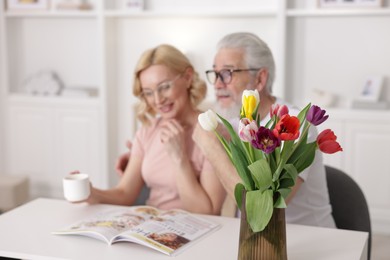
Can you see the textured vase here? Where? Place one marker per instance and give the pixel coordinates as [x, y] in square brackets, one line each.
[269, 244]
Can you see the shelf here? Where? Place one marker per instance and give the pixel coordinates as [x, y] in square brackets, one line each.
[53, 100]
[337, 12]
[191, 13]
[359, 114]
[52, 14]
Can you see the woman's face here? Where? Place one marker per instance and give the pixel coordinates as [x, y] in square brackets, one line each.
[165, 91]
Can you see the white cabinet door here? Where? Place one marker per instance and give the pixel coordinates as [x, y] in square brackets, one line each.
[367, 150]
[78, 146]
[30, 144]
[47, 141]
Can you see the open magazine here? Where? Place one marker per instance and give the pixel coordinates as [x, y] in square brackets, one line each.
[166, 231]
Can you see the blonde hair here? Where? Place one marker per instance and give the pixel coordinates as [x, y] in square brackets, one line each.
[175, 60]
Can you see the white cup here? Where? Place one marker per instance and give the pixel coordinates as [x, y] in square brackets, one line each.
[76, 187]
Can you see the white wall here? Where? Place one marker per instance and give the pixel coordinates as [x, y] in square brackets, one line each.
[337, 55]
[2, 100]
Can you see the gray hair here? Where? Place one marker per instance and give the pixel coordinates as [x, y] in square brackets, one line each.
[257, 52]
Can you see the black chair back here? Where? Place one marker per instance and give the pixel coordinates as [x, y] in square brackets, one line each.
[349, 206]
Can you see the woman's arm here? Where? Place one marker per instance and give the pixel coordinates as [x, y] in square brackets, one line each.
[203, 194]
[127, 190]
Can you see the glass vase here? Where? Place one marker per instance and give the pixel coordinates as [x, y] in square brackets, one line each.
[269, 244]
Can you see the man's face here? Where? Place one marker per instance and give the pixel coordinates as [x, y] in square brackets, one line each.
[229, 94]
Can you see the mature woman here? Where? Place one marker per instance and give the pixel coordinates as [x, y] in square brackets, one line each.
[164, 156]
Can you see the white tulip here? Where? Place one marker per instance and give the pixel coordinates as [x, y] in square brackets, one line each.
[208, 120]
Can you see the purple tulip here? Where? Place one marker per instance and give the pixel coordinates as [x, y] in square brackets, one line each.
[265, 140]
[316, 115]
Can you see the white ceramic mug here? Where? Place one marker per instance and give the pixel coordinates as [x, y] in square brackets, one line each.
[76, 187]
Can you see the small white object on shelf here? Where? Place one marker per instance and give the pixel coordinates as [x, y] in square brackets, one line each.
[133, 5]
[323, 98]
[61, 5]
[45, 83]
[371, 89]
[369, 96]
[349, 3]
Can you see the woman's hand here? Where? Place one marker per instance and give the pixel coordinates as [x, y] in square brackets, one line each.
[172, 135]
[90, 199]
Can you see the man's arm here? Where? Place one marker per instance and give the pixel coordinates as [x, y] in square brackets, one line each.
[122, 161]
[216, 154]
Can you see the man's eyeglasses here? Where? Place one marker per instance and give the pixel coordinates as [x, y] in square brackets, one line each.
[225, 75]
[163, 89]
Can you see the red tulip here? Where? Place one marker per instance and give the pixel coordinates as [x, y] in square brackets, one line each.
[327, 143]
[287, 128]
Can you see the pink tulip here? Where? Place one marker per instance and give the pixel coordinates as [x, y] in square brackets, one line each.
[278, 110]
[247, 129]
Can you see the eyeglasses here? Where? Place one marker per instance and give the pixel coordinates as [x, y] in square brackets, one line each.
[225, 75]
[163, 89]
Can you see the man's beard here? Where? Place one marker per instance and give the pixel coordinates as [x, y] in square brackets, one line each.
[231, 113]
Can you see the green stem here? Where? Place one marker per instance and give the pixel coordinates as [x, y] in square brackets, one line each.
[225, 145]
[285, 158]
[305, 130]
[249, 152]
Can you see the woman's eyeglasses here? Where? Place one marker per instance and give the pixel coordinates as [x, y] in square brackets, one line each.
[225, 75]
[164, 89]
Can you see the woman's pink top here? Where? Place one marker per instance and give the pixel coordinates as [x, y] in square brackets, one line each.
[157, 166]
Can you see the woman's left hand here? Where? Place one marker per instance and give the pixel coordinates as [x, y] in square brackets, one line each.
[173, 137]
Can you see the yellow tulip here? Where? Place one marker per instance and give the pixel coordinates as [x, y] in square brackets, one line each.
[250, 100]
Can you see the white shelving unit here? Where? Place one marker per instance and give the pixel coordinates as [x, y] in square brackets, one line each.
[332, 50]
[48, 136]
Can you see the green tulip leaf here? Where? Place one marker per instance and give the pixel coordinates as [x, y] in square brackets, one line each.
[259, 209]
[307, 158]
[291, 171]
[240, 162]
[284, 192]
[286, 183]
[234, 136]
[280, 202]
[302, 115]
[261, 173]
[238, 194]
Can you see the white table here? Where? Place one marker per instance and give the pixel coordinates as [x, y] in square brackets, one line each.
[25, 232]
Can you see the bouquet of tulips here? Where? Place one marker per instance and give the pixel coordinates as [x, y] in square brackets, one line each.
[269, 158]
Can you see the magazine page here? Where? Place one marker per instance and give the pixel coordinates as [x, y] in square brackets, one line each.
[107, 225]
[170, 232]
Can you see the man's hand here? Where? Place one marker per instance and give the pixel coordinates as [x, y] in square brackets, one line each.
[122, 161]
